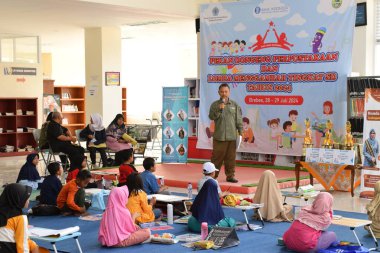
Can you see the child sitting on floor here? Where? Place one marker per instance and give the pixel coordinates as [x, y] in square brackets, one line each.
[308, 232]
[138, 201]
[149, 179]
[81, 164]
[373, 211]
[126, 168]
[14, 234]
[207, 208]
[28, 174]
[209, 173]
[52, 185]
[118, 228]
[71, 199]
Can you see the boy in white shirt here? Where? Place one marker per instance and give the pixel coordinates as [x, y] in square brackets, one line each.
[209, 173]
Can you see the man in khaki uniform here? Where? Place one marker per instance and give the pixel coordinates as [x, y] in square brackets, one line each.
[228, 123]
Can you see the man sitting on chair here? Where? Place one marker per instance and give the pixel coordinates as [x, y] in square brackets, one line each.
[60, 140]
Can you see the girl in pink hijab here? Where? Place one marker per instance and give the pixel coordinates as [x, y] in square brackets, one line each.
[117, 228]
[306, 234]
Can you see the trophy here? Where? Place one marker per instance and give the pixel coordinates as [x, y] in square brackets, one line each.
[328, 142]
[307, 140]
[348, 140]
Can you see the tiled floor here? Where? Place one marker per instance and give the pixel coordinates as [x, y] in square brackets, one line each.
[10, 166]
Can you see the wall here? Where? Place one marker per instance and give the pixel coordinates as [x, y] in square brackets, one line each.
[31, 88]
[364, 44]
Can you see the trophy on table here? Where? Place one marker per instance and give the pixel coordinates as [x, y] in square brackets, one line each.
[348, 140]
[307, 140]
[328, 141]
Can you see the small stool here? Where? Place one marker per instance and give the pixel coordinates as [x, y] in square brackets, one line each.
[53, 240]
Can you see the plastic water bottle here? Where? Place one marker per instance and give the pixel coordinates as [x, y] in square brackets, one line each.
[190, 191]
[162, 183]
[204, 230]
[103, 183]
[170, 213]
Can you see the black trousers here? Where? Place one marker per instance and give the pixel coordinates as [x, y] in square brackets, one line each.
[102, 152]
[75, 153]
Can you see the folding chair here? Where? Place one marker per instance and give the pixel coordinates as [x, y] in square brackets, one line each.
[80, 140]
[43, 152]
[52, 155]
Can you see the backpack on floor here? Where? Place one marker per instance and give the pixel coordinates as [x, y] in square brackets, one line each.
[344, 249]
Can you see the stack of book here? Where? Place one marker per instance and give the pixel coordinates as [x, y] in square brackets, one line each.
[8, 148]
[29, 112]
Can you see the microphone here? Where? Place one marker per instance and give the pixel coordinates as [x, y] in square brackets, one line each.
[224, 102]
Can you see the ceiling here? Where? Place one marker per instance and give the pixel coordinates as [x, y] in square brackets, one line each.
[57, 19]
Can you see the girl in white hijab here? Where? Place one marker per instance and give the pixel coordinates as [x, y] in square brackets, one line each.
[95, 135]
[269, 194]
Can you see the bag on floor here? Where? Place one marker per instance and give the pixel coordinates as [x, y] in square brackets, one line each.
[45, 210]
[345, 249]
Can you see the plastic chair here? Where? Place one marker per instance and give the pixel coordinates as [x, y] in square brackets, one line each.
[43, 152]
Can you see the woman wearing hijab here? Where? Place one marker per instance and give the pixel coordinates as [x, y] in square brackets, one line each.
[373, 211]
[371, 150]
[13, 224]
[307, 233]
[269, 194]
[117, 137]
[117, 228]
[95, 134]
[207, 208]
[28, 174]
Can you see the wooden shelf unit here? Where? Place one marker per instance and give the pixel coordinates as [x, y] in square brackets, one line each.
[17, 139]
[124, 103]
[76, 119]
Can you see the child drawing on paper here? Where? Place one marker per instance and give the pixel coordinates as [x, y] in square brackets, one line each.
[320, 122]
[275, 131]
[247, 135]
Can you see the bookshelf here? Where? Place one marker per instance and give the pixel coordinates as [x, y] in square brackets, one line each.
[72, 106]
[18, 119]
[193, 105]
[124, 103]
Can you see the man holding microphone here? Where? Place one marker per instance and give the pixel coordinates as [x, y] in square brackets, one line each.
[227, 116]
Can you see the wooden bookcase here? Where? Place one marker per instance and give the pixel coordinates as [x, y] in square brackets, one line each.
[72, 106]
[124, 103]
[9, 135]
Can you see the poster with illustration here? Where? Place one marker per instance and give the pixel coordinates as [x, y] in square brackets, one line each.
[51, 103]
[174, 124]
[284, 61]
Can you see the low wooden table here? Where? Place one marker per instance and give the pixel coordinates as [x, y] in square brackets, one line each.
[299, 165]
[355, 223]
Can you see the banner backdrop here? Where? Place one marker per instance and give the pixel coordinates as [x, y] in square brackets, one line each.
[174, 124]
[285, 61]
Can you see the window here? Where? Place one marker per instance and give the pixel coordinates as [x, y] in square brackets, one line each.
[19, 49]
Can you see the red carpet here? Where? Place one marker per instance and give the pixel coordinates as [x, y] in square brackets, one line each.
[179, 175]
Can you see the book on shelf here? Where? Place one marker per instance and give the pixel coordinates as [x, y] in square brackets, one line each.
[30, 113]
[9, 114]
[65, 121]
[44, 232]
[18, 112]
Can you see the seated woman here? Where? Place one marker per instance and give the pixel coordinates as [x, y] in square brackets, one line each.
[307, 233]
[28, 174]
[117, 137]
[138, 201]
[207, 208]
[269, 194]
[14, 234]
[95, 134]
[373, 211]
[117, 228]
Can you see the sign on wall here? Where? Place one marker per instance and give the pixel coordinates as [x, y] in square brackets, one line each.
[174, 124]
[285, 61]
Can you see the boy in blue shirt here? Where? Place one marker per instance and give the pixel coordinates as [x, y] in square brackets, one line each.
[149, 179]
